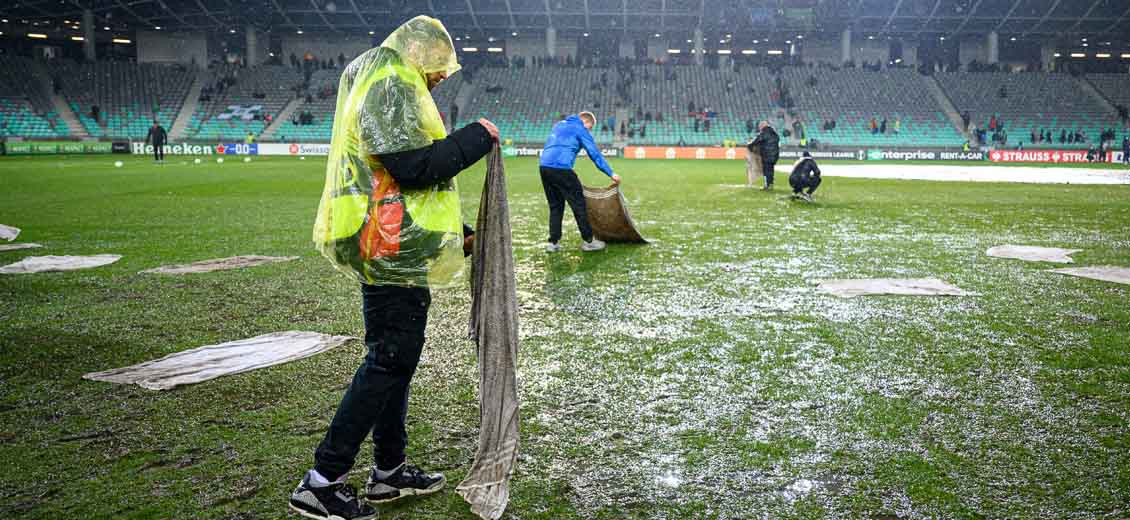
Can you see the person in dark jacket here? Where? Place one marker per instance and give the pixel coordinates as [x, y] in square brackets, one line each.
[1126, 150]
[805, 175]
[560, 182]
[158, 137]
[768, 144]
[393, 155]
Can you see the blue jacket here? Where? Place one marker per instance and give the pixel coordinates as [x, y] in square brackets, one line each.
[565, 141]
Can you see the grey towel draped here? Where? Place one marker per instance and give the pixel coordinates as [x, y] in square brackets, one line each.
[494, 326]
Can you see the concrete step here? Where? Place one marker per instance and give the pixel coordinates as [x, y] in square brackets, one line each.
[280, 119]
[191, 101]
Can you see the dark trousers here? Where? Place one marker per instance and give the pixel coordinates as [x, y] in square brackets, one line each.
[377, 399]
[800, 182]
[158, 152]
[563, 186]
[767, 169]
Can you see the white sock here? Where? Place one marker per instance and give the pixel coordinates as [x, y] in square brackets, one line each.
[317, 480]
[381, 474]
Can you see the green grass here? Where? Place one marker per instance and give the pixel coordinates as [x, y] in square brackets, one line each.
[701, 376]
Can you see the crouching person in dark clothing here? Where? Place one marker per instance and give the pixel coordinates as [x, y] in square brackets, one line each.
[805, 176]
[768, 144]
[389, 217]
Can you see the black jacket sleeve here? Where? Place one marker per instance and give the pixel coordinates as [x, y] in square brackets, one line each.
[441, 160]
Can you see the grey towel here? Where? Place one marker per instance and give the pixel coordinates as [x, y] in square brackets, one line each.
[494, 326]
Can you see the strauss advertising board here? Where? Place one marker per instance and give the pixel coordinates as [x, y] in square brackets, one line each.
[1039, 156]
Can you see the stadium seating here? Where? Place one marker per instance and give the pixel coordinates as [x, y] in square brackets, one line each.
[25, 110]
[852, 97]
[1116, 87]
[129, 95]
[275, 83]
[1033, 101]
[322, 108]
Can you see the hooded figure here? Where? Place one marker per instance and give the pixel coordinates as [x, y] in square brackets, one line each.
[367, 224]
[389, 216]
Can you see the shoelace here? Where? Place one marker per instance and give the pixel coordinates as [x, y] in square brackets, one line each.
[348, 491]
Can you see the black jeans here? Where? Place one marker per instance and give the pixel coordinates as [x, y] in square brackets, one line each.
[767, 169]
[563, 186]
[158, 152]
[377, 400]
[800, 182]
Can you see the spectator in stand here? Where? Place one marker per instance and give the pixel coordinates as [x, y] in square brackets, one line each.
[874, 126]
[883, 127]
[992, 123]
[1062, 136]
[1033, 138]
[898, 125]
[965, 120]
[1126, 150]
[750, 125]
[94, 112]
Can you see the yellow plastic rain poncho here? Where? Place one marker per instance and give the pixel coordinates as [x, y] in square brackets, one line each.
[366, 224]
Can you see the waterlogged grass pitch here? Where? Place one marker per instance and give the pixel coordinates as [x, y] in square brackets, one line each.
[700, 376]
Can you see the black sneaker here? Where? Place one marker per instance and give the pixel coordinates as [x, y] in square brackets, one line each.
[407, 480]
[333, 502]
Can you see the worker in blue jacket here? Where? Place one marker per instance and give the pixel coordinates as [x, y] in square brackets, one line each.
[560, 182]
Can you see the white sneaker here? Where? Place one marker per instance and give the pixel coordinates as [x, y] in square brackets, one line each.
[806, 196]
[550, 247]
[595, 245]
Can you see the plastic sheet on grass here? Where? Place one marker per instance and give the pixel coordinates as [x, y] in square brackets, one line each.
[609, 217]
[908, 287]
[43, 264]
[9, 233]
[219, 264]
[1033, 253]
[494, 327]
[1106, 273]
[366, 224]
[212, 361]
[21, 245]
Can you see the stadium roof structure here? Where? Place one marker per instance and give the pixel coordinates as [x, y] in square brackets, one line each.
[897, 18]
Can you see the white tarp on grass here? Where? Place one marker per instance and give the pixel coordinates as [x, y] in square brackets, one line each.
[21, 245]
[43, 264]
[1033, 253]
[219, 264]
[8, 233]
[1106, 273]
[908, 287]
[975, 173]
[212, 361]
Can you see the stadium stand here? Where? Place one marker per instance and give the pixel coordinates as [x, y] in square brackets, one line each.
[1030, 102]
[852, 97]
[270, 87]
[1116, 87]
[523, 102]
[321, 105]
[25, 110]
[129, 96]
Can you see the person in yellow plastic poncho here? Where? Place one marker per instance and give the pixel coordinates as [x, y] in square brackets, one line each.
[389, 216]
